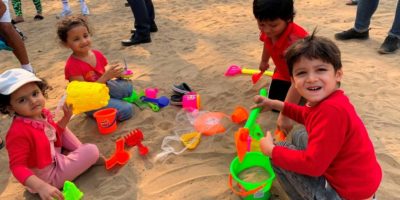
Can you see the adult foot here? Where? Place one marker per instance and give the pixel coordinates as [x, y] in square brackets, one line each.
[352, 2]
[136, 39]
[390, 45]
[352, 34]
[17, 20]
[153, 28]
[38, 17]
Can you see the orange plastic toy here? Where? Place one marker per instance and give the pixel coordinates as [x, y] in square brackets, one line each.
[209, 123]
[120, 156]
[134, 138]
[239, 115]
[280, 136]
[241, 139]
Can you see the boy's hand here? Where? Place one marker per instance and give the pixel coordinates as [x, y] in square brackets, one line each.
[49, 192]
[267, 145]
[263, 65]
[261, 102]
[285, 124]
[113, 71]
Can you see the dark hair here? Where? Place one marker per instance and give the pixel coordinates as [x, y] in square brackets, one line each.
[314, 47]
[69, 23]
[273, 9]
[5, 99]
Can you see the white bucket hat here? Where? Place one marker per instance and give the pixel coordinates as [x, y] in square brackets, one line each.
[13, 79]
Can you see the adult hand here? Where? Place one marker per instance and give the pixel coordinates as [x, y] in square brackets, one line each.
[285, 124]
[266, 144]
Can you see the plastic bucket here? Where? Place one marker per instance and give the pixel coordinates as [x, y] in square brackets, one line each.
[106, 120]
[252, 190]
[191, 101]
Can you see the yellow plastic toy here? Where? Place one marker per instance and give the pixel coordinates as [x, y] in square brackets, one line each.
[191, 140]
[87, 96]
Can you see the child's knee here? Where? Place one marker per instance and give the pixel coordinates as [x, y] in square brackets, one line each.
[125, 112]
[91, 152]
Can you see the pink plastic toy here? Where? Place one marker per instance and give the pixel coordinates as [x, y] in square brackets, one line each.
[234, 70]
[134, 138]
[151, 92]
[120, 156]
[191, 101]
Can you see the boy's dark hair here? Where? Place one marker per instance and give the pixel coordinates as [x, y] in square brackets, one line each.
[273, 9]
[69, 23]
[314, 47]
[5, 99]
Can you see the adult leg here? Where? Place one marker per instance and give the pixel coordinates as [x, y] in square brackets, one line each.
[365, 10]
[392, 41]
[66, 9]
[151, 13]
[142, 23]
[38, 6]
[18, 11]
[84, 8]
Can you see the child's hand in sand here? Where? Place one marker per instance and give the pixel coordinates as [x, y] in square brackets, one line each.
[267, 145]
[113, 71]
[49, 192]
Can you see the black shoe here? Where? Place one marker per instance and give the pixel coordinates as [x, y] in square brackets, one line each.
[352, 34]
[390, 45]
[136, 39]
[153, 28]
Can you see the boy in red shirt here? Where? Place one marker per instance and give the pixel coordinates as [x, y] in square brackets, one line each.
[278, 32]
[335, 158]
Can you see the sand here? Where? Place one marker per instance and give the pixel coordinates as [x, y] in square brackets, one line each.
[196, 42]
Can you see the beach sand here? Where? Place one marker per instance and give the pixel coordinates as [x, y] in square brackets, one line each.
[196, 42]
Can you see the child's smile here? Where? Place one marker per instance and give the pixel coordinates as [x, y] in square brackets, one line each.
[314, 79]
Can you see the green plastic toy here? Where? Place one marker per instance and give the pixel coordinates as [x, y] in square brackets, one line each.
[71, 192]
[136, 99]
[251, 123]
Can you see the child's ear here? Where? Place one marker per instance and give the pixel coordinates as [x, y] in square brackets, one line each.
[10, 110]
[339, 75]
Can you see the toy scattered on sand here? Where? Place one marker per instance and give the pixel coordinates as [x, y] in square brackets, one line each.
[87, 96]
[235, 70]
[71, 192]
[134, 138]
[127, 74]
[120, 156]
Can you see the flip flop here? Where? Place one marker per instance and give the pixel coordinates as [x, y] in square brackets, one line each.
[181, 89]
[176, 100]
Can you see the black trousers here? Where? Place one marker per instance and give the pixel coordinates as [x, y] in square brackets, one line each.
[143, 11]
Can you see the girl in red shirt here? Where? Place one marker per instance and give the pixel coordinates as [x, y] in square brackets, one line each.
[36, 144]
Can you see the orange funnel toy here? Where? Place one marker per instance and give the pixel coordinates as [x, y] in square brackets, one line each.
[134, 138]
[279, 135]
[241, 139]
[120, 156]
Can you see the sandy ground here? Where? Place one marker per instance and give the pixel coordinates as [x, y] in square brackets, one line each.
[196, 42]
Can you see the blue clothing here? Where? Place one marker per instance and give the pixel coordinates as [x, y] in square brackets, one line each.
[119, 89]
[143, 11]
[365, 10]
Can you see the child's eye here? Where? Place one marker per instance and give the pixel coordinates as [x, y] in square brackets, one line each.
[300, 73]
[35, 93]
[21, 100]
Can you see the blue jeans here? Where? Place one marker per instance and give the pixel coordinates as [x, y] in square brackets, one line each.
[365, 10]
[298, 186]
[143, 11]
[118, 89]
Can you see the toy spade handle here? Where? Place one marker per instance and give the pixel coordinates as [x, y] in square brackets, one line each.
[256, 71]
[254, 112]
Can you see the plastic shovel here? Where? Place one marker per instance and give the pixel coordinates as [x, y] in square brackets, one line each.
[256, 77]
[234, 70]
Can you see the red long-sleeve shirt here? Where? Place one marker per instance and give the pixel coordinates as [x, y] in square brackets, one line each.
[338, 148]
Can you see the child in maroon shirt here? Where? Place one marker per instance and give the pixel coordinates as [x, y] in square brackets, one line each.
[334, 158]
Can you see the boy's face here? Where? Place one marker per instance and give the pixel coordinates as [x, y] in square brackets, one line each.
[314, 79]
[27, 101]
[272, 28]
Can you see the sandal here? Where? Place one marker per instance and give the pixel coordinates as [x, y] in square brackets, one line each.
[181, 89]
[176, 100]
[38, 17]
[17, 20]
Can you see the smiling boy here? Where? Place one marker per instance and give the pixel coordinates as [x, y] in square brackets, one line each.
[334, 158]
